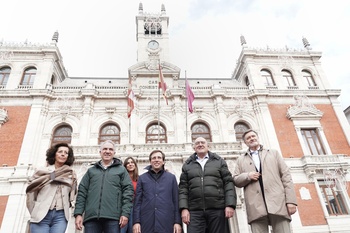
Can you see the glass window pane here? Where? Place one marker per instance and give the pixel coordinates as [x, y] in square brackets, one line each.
[240, 128]
[28, 76]
[110, 132]
[200, 130]
[156, 134]
[312, 142]
[333, 197]
[4, 75]
[308, 79]
[62, 134]
[268, 80]
[288, 78]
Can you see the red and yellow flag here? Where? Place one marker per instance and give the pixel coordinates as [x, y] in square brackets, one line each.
[162, 84]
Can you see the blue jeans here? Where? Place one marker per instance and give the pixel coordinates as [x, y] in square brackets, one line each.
[102, 225]
[128, 227]
[54, 222]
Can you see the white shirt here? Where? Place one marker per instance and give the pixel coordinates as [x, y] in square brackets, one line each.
[256, 159]
[203, 161]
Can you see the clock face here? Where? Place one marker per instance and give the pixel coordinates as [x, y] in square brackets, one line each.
[153, 44]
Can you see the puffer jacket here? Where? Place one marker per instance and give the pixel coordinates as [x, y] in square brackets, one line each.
[105, 193]
[212, 188]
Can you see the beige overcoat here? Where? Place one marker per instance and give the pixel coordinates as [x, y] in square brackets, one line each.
[277, 180]
[39, 201]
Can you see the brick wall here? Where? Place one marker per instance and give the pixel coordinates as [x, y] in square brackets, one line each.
[3, 203]
[12, 133]
[310, 211]
[287, 137]
[333, 131]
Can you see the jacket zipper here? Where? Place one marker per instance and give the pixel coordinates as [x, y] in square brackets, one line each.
[99, 206]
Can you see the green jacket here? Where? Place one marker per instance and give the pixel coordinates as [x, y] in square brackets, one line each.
[212, 188]
[105, 193]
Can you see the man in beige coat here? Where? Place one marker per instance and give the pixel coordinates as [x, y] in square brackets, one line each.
[268, 187]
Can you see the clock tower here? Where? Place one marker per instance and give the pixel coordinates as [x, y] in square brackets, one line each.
[152, 35]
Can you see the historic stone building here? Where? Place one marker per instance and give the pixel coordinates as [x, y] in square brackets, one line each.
[281, 93]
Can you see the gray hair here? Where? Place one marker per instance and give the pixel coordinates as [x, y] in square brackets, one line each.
[107, 141]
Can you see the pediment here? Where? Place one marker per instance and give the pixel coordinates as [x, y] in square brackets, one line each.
[297, 112]
[149, 67]
[303, 109]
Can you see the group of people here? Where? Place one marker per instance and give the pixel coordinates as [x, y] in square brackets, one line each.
[113, 198]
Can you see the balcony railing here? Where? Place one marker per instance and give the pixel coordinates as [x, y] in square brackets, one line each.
[175, 152]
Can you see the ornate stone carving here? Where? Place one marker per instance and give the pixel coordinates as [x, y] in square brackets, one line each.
[303, 109]
[286, 61]
[6, 55]
[241, 105]
[67, 105]
[3, 116]
[334, 178]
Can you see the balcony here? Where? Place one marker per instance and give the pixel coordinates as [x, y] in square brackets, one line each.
[318, 165]
[174, 152]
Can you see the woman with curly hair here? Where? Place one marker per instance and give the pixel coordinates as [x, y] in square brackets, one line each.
[51, 191]
[131, 166]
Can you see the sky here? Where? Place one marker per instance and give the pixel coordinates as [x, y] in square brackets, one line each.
[98, 38]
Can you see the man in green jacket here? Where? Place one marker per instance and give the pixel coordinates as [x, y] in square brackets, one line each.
[207, 195]
[105, 195]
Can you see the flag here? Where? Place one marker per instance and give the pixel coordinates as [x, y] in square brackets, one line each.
[190, 97]
[162, 84]
[131, 98]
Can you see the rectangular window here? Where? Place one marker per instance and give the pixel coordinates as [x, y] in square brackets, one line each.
[312, 142]
[333, 197]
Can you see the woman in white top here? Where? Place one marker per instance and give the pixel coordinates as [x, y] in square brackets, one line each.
[51, 191]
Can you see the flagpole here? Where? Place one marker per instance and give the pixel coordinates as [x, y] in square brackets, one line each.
[186, 104]
[159, 101]
[129, 130]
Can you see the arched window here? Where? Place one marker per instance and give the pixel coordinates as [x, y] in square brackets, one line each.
[240, 128]
[62, 133]
[28, 76]
[200, 129]
[308, 79]
[288, 78]
[4, 75]
[109, 132]
[156, 133]
[267, 78]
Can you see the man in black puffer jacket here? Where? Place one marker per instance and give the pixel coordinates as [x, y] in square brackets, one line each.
[207, 196]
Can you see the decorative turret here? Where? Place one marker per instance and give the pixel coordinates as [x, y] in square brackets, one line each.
[55, 37]
[163, 9]
[243, 41]
[140, 8]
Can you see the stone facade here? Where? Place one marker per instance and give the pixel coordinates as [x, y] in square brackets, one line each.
[283, 94]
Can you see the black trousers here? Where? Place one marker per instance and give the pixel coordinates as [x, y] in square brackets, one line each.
[208, 221]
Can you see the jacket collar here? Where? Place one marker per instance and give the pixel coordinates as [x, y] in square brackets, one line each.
[116, 162]
[248, 150]
[193, 157]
